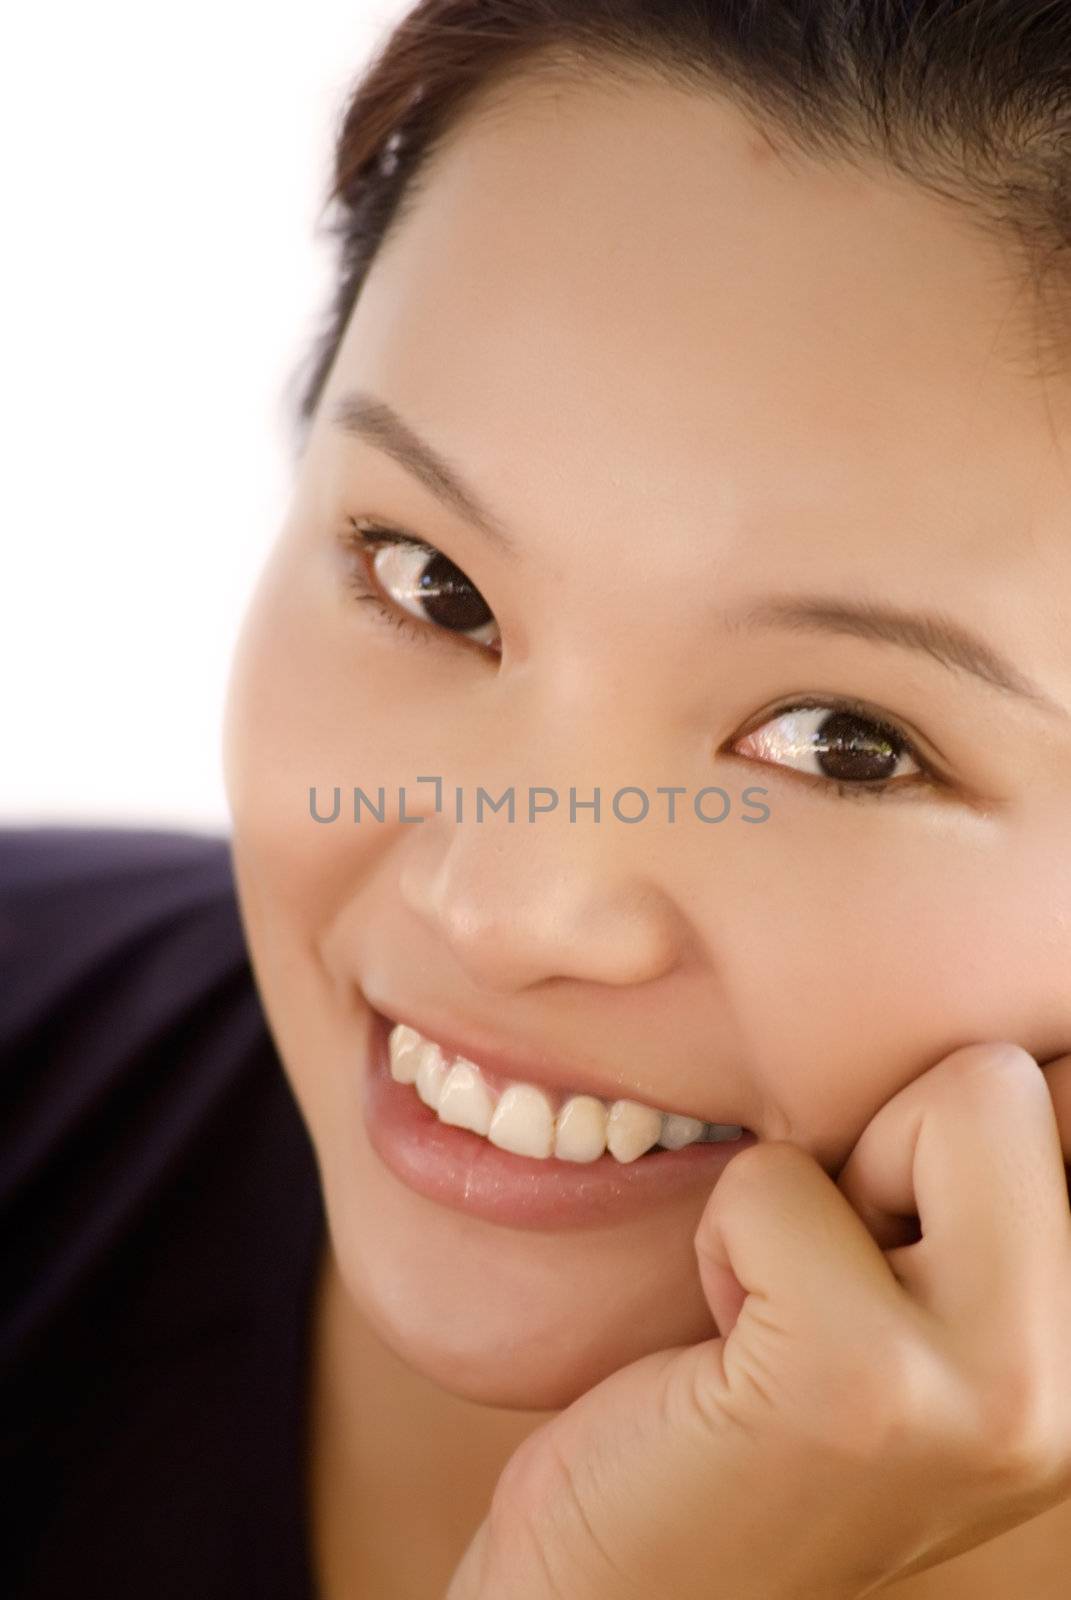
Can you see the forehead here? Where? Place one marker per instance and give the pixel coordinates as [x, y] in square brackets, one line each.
[628, 285]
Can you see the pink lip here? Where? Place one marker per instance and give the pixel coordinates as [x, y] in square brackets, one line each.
[465, 1172]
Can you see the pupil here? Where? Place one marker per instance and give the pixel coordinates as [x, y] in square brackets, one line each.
[850, 747]
[449, 598]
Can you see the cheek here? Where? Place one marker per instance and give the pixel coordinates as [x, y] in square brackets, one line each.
[322, 695]
[877, 956]
[316, 701]
[290, 704]
[309, 708]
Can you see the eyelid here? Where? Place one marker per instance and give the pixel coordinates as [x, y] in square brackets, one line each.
[366, 531]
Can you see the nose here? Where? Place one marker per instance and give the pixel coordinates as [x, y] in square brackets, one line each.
[517, 903]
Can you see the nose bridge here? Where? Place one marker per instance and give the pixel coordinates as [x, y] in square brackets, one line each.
[583, 761]
[589, 724]
[534, 867]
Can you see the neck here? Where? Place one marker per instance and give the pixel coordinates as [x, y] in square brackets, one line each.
[400, 1471]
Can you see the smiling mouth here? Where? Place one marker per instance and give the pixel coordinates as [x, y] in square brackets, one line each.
[534, 1120]
[512, 1183]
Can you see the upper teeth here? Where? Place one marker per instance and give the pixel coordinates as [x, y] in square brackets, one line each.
[522, 1118]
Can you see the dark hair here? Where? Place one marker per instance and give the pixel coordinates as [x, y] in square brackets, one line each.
[969, 98]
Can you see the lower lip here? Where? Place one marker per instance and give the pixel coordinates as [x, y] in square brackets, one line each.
[466, 1172]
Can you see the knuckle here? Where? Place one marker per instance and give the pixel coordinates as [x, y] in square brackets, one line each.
[893, 1404]
[1020, 1442]
[752, 1168]
[745, 1168]
[870, 1407]
[896, 1410]
[978, 1067]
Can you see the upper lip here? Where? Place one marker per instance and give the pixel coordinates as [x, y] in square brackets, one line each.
[531, 1066]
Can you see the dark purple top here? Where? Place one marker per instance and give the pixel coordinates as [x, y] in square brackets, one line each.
[161, 1221]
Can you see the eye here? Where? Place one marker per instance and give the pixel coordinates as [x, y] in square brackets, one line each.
[838, 742]
[397, 573]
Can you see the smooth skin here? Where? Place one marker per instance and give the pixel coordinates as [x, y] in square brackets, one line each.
[685, 371]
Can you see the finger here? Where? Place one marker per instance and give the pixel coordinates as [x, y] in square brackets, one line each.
[1057, 1074]
[972, 1149]
[776, 1227]
[882, 1193]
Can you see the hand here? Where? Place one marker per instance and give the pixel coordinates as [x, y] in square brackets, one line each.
[872, 1406]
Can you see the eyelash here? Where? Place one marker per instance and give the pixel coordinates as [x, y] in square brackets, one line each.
[361, 537]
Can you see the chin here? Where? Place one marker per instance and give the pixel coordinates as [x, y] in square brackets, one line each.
[522, 1322]
[522, 1377]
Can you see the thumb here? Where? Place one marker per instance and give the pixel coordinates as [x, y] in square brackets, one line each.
[776, 1227]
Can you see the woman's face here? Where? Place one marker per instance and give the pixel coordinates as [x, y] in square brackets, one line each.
[690, 379]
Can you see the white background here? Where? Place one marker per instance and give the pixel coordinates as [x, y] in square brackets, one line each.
[162, 276]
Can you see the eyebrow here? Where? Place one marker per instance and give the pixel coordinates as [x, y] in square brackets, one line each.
[939, 636]
[368, 417]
